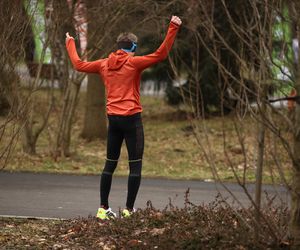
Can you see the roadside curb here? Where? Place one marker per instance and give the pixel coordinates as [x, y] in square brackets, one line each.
[31, 217]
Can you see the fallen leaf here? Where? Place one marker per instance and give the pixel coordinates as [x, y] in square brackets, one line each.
[139, 231]
[158, 215]
[134, 243]
[157, 231]
[108, 247]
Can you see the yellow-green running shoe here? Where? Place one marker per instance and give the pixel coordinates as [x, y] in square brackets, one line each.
[105, 214]
[127, 213]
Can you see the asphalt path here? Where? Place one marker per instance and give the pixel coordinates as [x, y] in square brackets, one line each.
[71, 196]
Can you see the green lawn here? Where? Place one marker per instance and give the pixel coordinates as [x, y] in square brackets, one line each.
[171, 149]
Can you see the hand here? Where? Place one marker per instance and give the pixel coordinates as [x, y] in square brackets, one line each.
[176, 20]
[68, 37]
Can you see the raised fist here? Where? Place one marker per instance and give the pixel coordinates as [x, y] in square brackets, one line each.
[176, 20]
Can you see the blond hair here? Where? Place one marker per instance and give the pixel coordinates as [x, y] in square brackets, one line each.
[127, 37]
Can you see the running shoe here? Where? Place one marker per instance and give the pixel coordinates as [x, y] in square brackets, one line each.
[127, 213]
[105, 214]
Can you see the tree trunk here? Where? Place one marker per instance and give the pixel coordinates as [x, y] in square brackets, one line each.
[95, 117]
[60, 21]
[63, 139]
[260, 159]
[13, 46]
[4, 104]
[295, 193]
[295, 188]
[29, 140]
[75, 88]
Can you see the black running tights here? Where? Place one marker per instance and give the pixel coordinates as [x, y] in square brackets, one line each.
[131, 129]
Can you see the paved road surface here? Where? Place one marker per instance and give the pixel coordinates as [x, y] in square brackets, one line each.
[69, 196]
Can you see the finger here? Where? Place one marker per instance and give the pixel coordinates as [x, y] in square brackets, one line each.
[175, 18]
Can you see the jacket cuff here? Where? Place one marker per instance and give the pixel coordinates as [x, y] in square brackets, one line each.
[68, 40]
[174, 24]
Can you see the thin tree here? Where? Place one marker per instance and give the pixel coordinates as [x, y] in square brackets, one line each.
[294, 7]
[237, 38]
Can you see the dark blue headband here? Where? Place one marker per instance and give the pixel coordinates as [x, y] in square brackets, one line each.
[132, 49]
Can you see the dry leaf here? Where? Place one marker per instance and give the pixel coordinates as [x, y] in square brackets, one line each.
[157, 231]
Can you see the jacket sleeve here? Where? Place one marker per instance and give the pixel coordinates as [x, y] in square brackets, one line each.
[78, 64]
[143, 62]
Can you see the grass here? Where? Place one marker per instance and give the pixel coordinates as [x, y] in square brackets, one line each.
[171, 148]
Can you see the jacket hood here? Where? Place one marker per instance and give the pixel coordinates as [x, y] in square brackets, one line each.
[117, 59]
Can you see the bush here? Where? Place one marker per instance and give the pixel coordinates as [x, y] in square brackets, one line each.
[213, 226]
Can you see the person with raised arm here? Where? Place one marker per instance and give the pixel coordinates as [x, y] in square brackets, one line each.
[121, 73]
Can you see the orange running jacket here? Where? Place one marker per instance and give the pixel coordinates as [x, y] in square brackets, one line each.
[121, 73]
